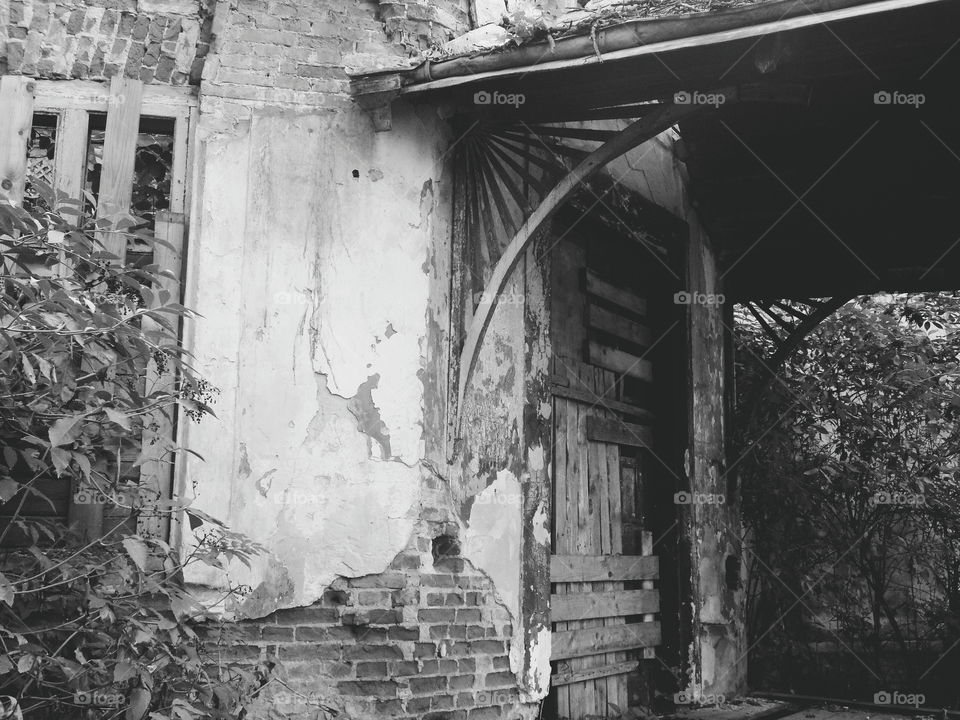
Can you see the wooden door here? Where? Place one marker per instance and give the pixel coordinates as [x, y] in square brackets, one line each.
[603, 603]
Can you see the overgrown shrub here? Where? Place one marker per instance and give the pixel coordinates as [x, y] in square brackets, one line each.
[98, 626]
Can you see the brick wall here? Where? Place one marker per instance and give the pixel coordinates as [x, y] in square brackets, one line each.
[295, 52]
[424, 639]
[157, 42]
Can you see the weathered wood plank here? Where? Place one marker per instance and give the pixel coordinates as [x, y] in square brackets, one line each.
[89, 95]
[70, 161]
[619, 361]
[599, 640]
[178, 168]
[605, 604]
[593, 673]
[119, 150]
[584, 695]
[616, 684]
[16, 119]
[599, 500]
[603, 401]
[603, 568]
[156, 474]
[647, 543]
[581, 480]
[618, 432]
[595, 285]
[610, 322]
[562, 535]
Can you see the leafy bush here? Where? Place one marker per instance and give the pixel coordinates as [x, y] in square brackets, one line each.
[98, 625]
[851, 483]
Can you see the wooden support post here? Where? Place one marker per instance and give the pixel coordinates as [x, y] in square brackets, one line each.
[156, 473]
[119, 151]
[16, 119]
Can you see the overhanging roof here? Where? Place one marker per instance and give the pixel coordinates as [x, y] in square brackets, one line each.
[825, 194]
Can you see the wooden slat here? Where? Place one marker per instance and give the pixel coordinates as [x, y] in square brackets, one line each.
[562, 520]
[119, 150]
[593, 673]
[599, 535]
[619, 361]
[618, 432]
[70, 160]
[598, 640]
[584, 695]
[158, 100]
[611, 603]
[575, 133]
[156, 474]
[616, 684]
[610, 322]
[601, 568]
[596, 285]
[603, 401]
[178, 167]
[16, 119]
[647, 543]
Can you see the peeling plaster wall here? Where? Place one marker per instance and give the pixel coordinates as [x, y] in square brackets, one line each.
[485, 474]
[308, 262]
[499, 474]
[492, 539]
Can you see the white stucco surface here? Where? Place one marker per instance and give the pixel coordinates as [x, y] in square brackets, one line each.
[308, 266]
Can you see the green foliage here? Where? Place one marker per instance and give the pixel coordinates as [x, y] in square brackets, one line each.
[850, 488]
[98, 626]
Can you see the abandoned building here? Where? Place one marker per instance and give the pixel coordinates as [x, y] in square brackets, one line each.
[466, 271]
